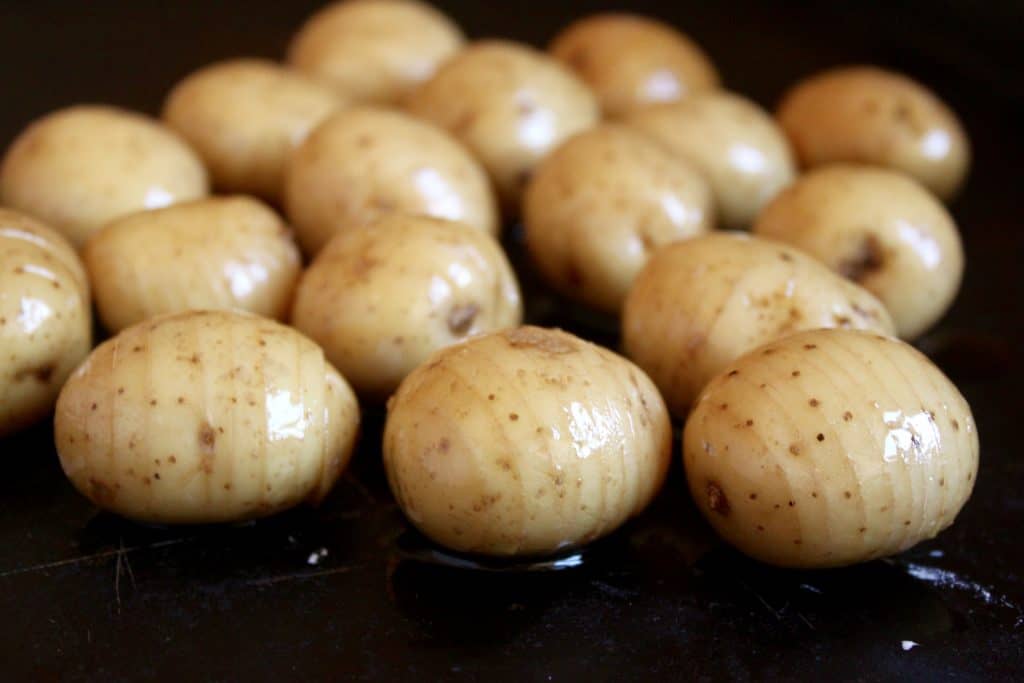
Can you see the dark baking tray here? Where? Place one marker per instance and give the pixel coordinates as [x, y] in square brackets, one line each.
[85, 595]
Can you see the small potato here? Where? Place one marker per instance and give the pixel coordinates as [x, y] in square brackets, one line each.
[364, 163]
[244, 117]
[45, 318]
[217, 253]
[374, 51]
[203, 417]
[879, 228]
[829, 448]
[525, 442]
[872, 116]
[631, 61]
[80, 167]
[382, 298]
[510, 104]
[733, 142]
[601, 203]
[701, 303]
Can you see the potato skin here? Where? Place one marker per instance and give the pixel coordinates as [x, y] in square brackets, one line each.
[630, 61]
[599, 204]
[244, 117]
[203, 417]
[525, 442]
[701, 303]
[216, 253]
[80, 167]
[879, 228]
[868, 115]
[374, 51]
[45, 318]
[509, 104]
[829, 448]
[742, 153]
[364, 163]
[382, 298]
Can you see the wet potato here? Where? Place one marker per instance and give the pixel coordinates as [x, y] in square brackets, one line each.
[216, 253]
[382, 298]
[205, 416]
[701, 303]
[525, 442]
[829, 448]
[880, 229]
[601, 203]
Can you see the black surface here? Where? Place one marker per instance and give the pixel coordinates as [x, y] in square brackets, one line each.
[87, 595]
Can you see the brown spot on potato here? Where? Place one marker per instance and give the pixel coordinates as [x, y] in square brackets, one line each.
[753, 496]
[41, 373]
[101, 492]
[865, 260]
[513, 416]
[444, 444]
[847, 495]
[814, 403]
[956, 425]
[820, 437]
[490, 397]
[749, 423]
[847, 416]
[717, 500]
[795, 373]
[794, 449]
[541, 340]
[733, 373]
[207, 440]
[809, 347]
[461, 317]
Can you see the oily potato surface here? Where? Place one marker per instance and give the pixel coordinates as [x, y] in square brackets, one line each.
[830, 447]
[205, 416]
[525, 442]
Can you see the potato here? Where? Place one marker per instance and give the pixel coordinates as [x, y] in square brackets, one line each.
[879, 228]
[830, 447]
[701, 303]
[601, 203]
[525, 442]
[872, 116]
[205, 416]
[78, 168]
[244, 117]
[510, 104]
[45, 318]
[217, 253]
[631, 61]
[374, 51]
[364, 163]
[733, 142]
[382, 298]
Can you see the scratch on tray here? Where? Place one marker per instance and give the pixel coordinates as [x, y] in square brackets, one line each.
[270, 580]
[760, 599]
[95, 556]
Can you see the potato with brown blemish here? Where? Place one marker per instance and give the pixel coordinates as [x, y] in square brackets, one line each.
[364, 163]
[382, 298]
[868, 115]
[45, 318]
[601, 203]
[829, 448]
[631, 61]
[879, 228]
[244, 117]
[81, 167]
[216, 253]
[203, 417]
[701, 303]
[510, 104]
[525, 442]
[739, 148]
[374, 51]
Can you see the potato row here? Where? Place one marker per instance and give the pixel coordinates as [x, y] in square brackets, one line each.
[361, 191]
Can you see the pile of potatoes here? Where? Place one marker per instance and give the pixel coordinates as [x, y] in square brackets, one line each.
[290, 239]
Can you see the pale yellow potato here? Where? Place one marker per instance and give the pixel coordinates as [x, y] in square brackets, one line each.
[630, 61]
[829, 448]
[45, 318]
[203, 417]
[78, 168]
[880, 229]
[382, 298]
[525, 442]
[244, 117]
[364, 163]
[701, 303]
[601, 203]
[736, 145]
[216, 253]
[375, 50]
[868, 115]
[510, 104]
